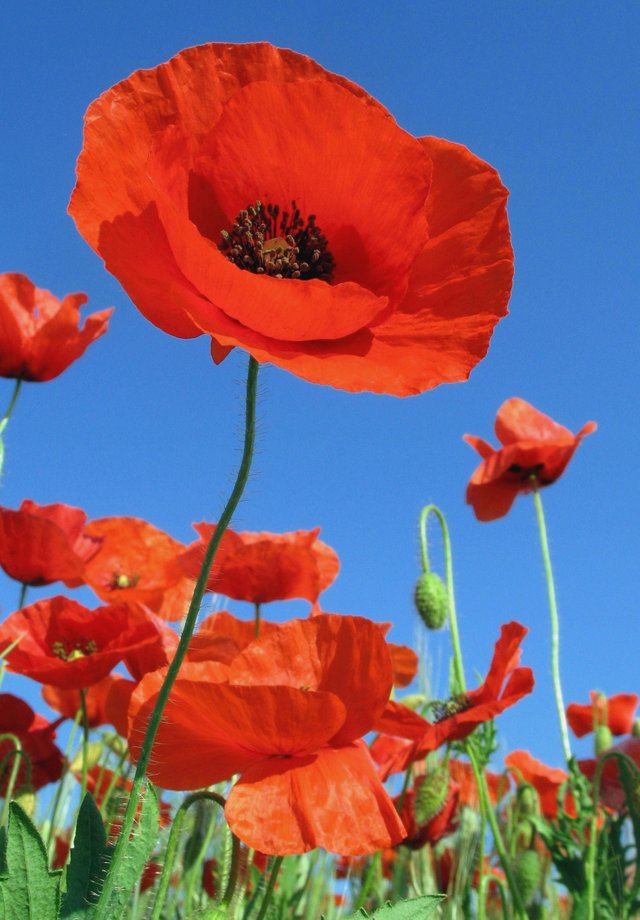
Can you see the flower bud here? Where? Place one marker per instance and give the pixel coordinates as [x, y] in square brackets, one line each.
[430, 597]
[431, 795]
[528, 874]
[528, 800]
[603, 739]
[635, 728]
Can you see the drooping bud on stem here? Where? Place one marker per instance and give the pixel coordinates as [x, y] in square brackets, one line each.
[430, 598]
[432, 794]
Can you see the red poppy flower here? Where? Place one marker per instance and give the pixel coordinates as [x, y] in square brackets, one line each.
[545, 780]
[64, 644]
[138, 564]
[405, 664]
[37, 738]
[504, 685]
[245, 192]
[40, 544]
[617, 713]
[462, 774]
[535, 450]
[41, 335]
[67, 702]
[221, 637]
[263, 567]
[612, 792]
[286, 715]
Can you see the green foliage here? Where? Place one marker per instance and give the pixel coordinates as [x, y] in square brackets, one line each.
[28, 890]
[89, 860]
[415, 909]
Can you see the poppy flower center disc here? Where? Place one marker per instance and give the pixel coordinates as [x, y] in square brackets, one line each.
[268, 241]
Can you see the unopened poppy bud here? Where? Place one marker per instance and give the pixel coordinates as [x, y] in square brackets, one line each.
[430, 598]
[528, 874]
[635, 728]
[431, 795]
[603, 739]
[528, 800]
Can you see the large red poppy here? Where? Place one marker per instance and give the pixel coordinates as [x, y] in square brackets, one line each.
[37, 738]
[535, 451]
[504, 685]
[138, 564]
[287, 715]
[385, 266]
[40, 544]
[616, 712]
[61, 643]
[41, 335]
[263, 567]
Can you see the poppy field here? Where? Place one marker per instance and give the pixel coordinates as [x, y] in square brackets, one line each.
[188, 729]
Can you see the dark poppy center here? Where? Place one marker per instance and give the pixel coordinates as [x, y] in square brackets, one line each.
[267, 241]
[522, 473]
[445, 709]
[70, 651]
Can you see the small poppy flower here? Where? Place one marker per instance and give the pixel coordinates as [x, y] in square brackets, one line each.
[612, 791]
[138, 564]
[535, 452]
[504, 685]
[245, 192]
[67, 702]
[41, 544]
[547, 781]
[41, 335]
[462, 774]
[263, 567]
[64, 644]
[287, 715]
[37, 738]
[617, 713]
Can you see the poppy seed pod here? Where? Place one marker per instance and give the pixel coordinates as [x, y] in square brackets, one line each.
[432, 795]
[430, 597]
[528, 800]
[528, 874]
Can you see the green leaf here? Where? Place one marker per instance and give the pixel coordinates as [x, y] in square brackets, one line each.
[415, 909]
[28, 890]
[89, 860]
[141, 846]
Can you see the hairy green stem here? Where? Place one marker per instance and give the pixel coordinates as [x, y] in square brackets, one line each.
[102, 908]
[555, 625]
[264, 907]
[84, 718]
[15, 756]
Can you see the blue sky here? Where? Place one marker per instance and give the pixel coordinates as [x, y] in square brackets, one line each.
[145, 425]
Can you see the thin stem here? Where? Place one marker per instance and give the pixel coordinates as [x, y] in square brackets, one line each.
[481, 866]
[264, 907]
[12, 402]
[555, 625]
[458, 667]
[257, 619]
[85, 744]
[23, 595]
[62, 781]
[102, 908]
[14, 756]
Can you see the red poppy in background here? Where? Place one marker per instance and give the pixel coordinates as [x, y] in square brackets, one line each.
[263, 567]
[41, 335]
[287, 715]
[545, 780]
[41, 544]
[616, 712]
[138, 564]
[245, 192]
[221, 637]
[67, 702]
[37, 738]
[612, 792]
[462, 773]
[504, 685]
[66, 645]
[405, 664]
[535, 451]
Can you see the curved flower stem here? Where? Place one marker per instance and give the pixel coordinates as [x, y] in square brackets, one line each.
[264, 907]
[102, 907]
[13, 755]
[172, 846]
[555, 625]
[448, 562]
[257, 619]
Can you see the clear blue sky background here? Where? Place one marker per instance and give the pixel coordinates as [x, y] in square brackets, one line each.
[145, 425]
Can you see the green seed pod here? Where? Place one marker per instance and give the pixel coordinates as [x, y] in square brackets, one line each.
[528, 800]
[430, 597]
[604, 739]
[431, 795]
[635, 728]
[528, 874]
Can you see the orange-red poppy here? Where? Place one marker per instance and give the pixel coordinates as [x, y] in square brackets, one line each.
[221, 637]
[616, 712]
[287, 715]
[61, 643]
[40, 544]
[263, 567]
[245, 192]
[41, 335]
[612, 791]
[545, 780]
[535, 451]
[504, 685]
[67, 702]
[462, 774]
[138, 564]
[37, 739]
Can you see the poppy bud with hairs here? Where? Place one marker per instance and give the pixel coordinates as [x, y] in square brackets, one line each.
[430, 598]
